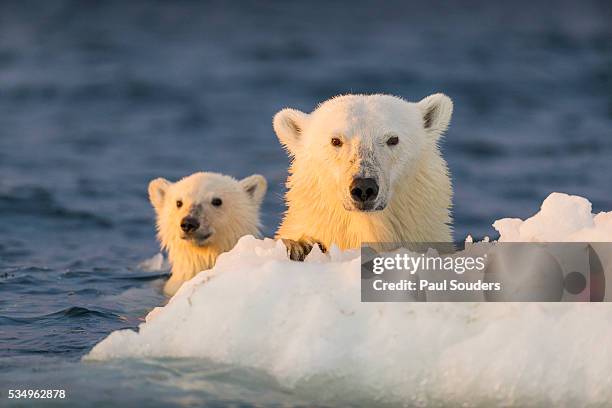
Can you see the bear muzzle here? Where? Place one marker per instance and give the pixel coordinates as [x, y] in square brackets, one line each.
[364, 192]
[195, 231]
[189, 224]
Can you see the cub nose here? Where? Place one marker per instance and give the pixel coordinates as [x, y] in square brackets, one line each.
[189, 224]
[364, 190]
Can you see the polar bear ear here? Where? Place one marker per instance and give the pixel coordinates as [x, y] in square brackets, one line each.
[289, 125]
[157, 192]
[437, 110]
[255, 186]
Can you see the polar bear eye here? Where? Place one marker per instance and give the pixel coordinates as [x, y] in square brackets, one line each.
[179, 203]
[336, 142]
[216, 201]
[392, 141]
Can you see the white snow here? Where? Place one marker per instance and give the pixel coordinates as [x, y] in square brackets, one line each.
[156, 263]
[304, 324]
[562, 218]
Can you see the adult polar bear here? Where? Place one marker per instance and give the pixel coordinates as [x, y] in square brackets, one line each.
[366, 168]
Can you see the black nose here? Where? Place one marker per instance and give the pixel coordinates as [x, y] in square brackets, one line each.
[189, 224]
[364, 190]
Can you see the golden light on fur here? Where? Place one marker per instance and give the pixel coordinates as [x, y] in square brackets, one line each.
[414, 194]
[198, 197]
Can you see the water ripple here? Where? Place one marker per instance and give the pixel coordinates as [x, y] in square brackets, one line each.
[39, 201]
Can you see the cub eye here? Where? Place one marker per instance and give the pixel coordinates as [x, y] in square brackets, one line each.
[392, 141]
[336, 142]
[179, 203]
[216, 201]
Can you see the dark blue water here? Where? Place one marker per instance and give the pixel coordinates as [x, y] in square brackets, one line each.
[97, 98]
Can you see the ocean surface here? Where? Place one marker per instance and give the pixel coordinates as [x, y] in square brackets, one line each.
[98, 98]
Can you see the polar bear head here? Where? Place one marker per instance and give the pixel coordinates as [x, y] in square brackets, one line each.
[206, 210]
[356, 148]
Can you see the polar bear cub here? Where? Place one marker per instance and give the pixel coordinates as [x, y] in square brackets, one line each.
[366, 168]
[202, 216]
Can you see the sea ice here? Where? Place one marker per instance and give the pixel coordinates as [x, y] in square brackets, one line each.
[304, 324]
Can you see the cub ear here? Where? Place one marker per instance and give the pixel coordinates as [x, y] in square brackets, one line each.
[255, 187]
[437, 110]
[289, 126]
[157, 192]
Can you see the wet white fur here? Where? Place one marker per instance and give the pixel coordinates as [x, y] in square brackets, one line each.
[237, 216]
[413, 177]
